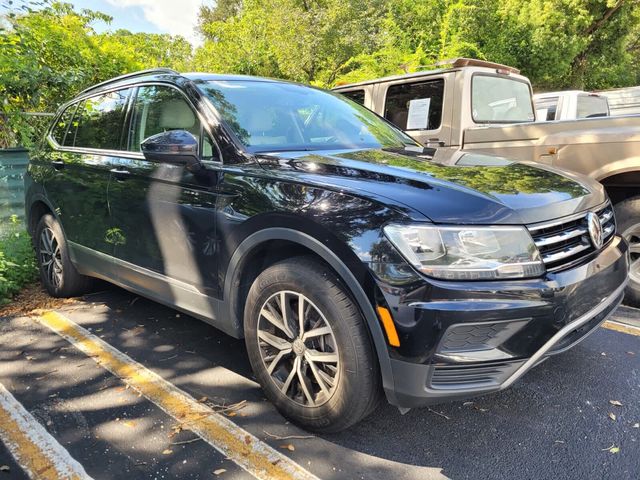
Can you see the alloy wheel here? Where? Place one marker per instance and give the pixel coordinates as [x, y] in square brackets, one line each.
[298, 348]
[50, 257]
[632, 236]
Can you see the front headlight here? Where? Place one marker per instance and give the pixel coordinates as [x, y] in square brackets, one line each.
[468, 253]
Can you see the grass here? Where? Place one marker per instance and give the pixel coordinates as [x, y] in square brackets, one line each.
[17, 260]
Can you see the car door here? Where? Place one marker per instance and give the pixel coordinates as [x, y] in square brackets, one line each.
[164, 214]
[85, 144]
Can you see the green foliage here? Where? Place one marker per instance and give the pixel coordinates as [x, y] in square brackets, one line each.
[557, 43]
[49, 54]
[50, 51]
[17, 260]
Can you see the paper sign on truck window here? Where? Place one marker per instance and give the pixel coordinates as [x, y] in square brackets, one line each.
[418, 116]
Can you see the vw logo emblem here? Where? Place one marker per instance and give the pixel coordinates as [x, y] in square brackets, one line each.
[595, 229]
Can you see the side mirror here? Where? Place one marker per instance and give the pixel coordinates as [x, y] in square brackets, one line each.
[177, 147]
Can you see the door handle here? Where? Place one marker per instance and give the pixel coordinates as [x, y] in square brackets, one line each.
[120, 174]
[58, 164]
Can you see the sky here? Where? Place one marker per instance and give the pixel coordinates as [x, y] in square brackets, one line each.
[176, 17]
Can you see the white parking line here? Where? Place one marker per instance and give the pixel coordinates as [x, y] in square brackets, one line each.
[240, 446]
[35, 450]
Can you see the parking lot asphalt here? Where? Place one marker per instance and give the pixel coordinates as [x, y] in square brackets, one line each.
[575, 416]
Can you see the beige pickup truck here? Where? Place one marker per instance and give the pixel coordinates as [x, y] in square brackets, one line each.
[478, 106]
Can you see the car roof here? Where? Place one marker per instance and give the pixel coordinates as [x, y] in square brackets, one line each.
[228, 77]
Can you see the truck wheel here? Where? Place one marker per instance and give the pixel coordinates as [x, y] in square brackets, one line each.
[58, 275]
[628, 219]
[309, 346]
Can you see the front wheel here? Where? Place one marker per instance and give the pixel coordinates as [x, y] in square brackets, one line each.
[628, 218]
[58, 275]
[309, 346]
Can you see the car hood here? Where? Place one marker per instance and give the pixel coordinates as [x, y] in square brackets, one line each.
[446, 186]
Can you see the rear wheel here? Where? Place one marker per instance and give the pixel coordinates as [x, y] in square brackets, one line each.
[309, 347]
[58, 275]
[628, 219]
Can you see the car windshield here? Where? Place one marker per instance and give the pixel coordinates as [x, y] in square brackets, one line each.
[500, 100]
[274, 117]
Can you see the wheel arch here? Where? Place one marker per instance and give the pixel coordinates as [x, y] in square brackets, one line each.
[38, 207]
[621, 185]
[297, 243]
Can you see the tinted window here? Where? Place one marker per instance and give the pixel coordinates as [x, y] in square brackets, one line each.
[62, 124]
[590, 106]
[546, 109]
[500, 100]
[415, 106]
[100, 120]
[276, 116]
[159, 109]
[355, 95]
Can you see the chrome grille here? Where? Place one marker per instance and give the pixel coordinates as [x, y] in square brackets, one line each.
[565, 242]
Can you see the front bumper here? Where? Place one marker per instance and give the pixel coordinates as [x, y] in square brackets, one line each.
[463, 339]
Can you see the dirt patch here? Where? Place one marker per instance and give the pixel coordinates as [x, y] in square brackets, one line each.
[32, 297]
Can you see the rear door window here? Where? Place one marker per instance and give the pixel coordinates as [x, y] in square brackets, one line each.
[100, 121]
[355, 95]
[415, 106]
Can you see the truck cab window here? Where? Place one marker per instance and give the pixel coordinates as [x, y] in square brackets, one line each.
[497, 99]
[592, 106]
[415, 106]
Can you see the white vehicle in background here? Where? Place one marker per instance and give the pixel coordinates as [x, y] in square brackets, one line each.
[623, 101]
[570, 105]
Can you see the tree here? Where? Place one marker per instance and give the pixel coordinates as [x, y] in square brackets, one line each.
[49, 52]
[303, 40]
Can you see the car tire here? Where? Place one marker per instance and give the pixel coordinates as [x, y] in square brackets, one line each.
[628, 221]
[58, 274]
[332, 395]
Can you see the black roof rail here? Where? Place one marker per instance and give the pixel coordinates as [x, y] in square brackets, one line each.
[129, 75]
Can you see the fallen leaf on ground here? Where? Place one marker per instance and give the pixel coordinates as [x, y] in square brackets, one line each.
[636, 425]
[614, 450]
[167, 451]
[219, 471]
[612, 416]
[615, 402]
[288, 446]
[4, 468]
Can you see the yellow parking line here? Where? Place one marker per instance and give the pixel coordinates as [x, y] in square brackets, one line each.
[35, 450]
[243, 448]
[622, 327]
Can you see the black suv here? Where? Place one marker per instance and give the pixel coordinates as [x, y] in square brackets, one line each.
[352, 260]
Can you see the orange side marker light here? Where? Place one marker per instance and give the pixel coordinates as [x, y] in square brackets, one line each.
[389, 326]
